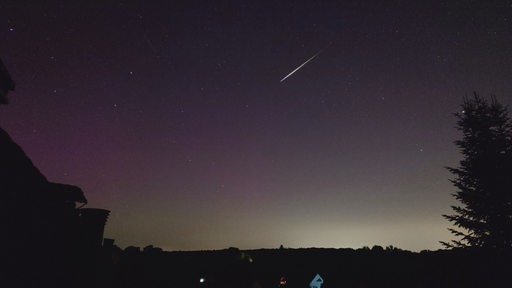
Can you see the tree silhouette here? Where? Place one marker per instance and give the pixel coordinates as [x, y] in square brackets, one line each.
[484, 176]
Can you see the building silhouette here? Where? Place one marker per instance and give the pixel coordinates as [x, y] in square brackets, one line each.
[49, 240]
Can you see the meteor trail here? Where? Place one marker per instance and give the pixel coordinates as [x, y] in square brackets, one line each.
[300, 66]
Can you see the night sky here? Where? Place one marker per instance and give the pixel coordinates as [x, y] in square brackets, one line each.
[173, 115]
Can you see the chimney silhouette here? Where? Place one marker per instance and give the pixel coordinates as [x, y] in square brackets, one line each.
[92, 225]
[6, 83]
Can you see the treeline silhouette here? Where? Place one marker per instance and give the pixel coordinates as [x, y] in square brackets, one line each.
[49, 240]
[376, 267]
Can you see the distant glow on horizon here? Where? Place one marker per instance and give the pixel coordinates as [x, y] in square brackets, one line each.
[173, 119]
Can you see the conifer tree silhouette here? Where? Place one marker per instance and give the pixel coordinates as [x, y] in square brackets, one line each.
[484, 176]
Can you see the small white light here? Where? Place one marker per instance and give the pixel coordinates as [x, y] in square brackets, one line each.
[201, 280]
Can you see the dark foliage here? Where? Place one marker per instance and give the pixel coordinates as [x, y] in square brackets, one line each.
[484, 176]
[338, 267]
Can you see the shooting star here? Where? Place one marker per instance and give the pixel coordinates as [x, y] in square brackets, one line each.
[300, 66]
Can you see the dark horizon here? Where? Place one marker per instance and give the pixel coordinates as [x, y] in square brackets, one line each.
[174, 118]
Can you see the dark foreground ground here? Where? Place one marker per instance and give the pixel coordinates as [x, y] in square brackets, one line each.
[264, 268]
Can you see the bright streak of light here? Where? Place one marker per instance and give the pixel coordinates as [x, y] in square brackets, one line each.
[295, 70]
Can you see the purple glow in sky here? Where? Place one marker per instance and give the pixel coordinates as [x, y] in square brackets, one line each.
[173, 115]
